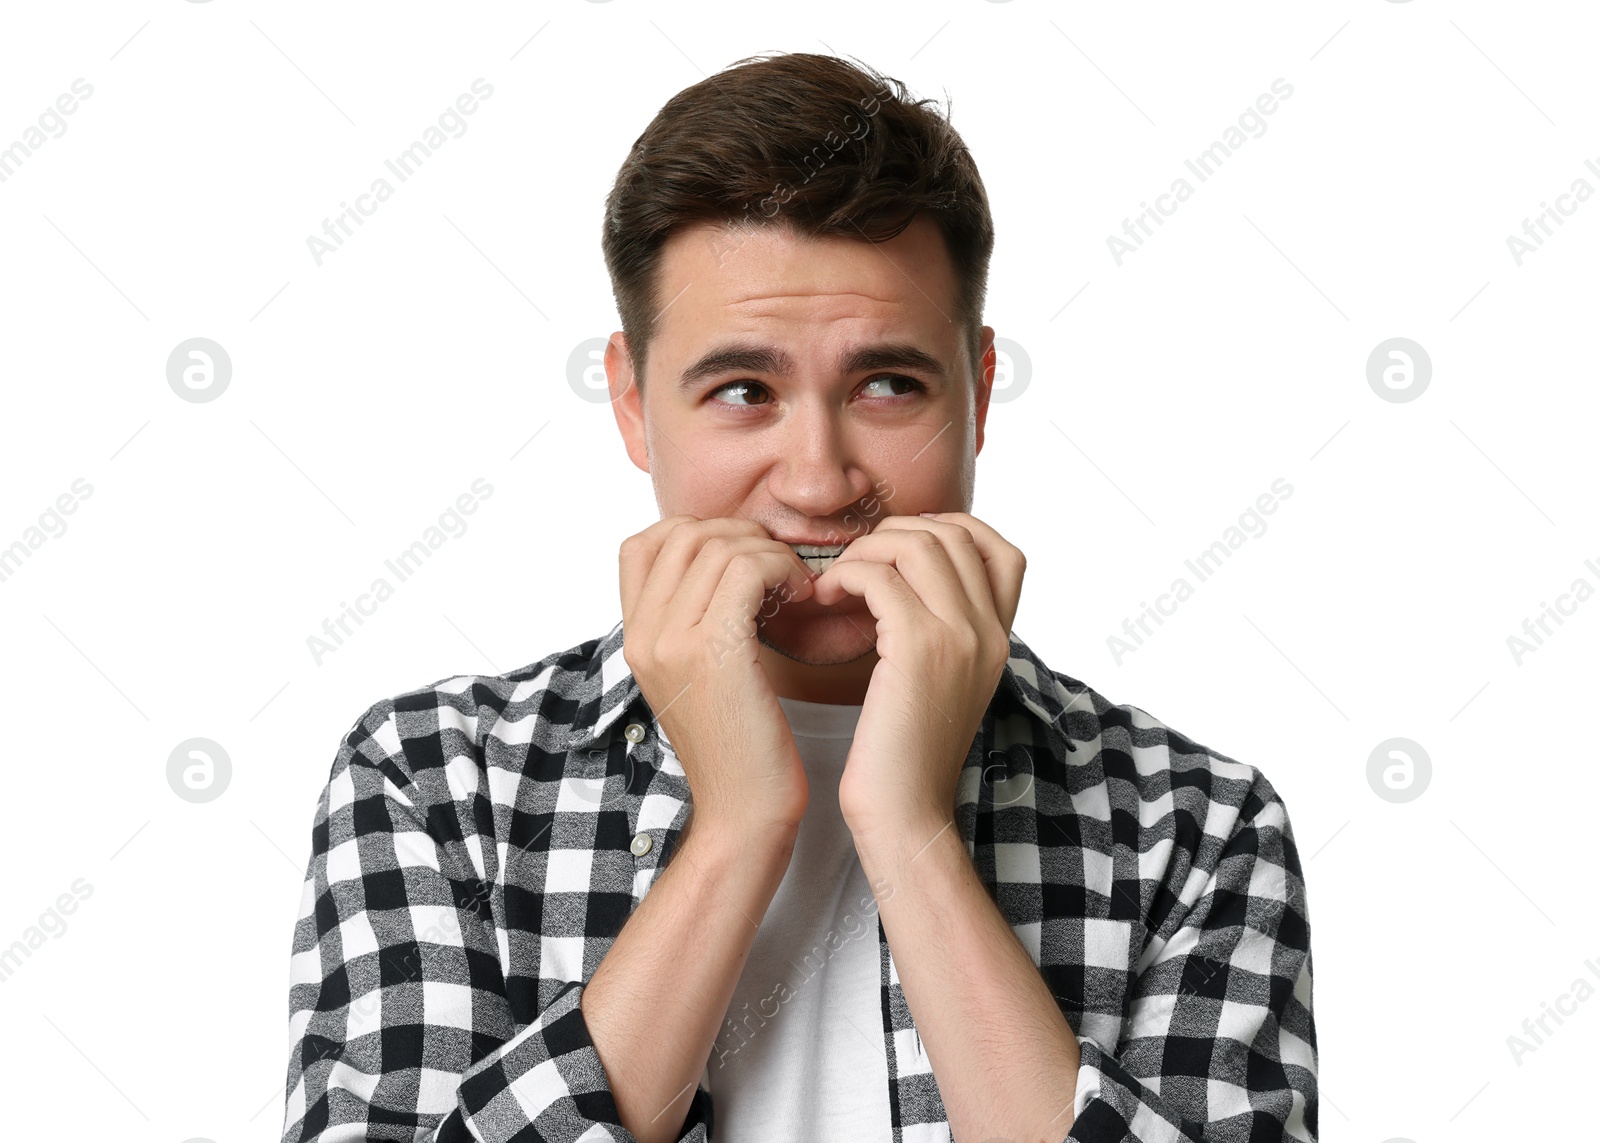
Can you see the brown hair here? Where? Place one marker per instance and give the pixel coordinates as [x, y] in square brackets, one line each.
[799, 139]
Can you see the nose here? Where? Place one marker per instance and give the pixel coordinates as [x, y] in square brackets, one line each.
[815, 472]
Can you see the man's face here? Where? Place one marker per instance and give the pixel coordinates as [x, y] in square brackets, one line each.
[806, 442]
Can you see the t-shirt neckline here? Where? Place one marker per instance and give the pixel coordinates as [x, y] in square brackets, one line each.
[820, 719]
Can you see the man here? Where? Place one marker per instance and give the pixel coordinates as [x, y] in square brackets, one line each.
[809, 845]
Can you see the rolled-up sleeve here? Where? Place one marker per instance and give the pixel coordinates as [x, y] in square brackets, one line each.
[1219, 1043]
[399, 1026]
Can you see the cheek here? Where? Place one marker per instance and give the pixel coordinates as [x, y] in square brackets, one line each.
[699, 478]
[931, 484]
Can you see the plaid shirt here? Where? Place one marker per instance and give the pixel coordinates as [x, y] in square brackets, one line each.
[481, 841]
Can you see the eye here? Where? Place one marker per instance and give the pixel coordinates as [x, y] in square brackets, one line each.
[911, 381]
[749, 387]
[740, 386]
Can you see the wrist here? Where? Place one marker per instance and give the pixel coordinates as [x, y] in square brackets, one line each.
[737, 838]
[899, 838]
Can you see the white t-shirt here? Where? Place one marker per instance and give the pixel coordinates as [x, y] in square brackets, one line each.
[800, 1055]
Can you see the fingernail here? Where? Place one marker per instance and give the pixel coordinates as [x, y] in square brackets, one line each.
[928, 513]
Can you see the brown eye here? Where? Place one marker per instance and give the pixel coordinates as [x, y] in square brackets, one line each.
[741, 386]
[911, 381]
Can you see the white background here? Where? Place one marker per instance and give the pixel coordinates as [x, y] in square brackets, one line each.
[369, 392]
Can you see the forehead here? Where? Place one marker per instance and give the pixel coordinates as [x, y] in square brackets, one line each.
[719, 278]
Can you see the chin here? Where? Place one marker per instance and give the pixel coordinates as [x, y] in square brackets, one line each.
[822, 639]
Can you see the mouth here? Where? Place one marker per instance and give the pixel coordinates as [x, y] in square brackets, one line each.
[818, 557]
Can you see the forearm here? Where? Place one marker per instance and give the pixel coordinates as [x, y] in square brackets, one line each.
[656, 1002]
[1005, 1058]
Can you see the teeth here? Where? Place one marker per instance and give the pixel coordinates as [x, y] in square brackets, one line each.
[818, 557]
[804, 550]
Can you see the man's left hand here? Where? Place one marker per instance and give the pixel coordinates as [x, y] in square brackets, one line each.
[944, 591]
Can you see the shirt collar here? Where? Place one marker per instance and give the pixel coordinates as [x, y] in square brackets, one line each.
[609, 690]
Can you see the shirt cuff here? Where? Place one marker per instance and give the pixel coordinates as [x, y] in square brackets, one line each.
[548, 1077]
[1111, 1105]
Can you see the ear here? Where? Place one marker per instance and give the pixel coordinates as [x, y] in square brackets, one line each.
[985, 384]
[627, 403]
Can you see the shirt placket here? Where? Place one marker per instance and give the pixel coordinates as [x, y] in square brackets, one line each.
[658, 805]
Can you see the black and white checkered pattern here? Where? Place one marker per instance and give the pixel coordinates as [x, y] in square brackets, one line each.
[474, 855]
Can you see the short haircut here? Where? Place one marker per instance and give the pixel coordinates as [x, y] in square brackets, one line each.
[809, 141]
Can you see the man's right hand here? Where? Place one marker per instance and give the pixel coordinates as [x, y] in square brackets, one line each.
[692, 591]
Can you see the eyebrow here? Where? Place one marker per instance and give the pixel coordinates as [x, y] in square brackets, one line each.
[749, 357]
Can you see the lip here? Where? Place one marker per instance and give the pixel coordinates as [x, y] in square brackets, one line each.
[837, 539]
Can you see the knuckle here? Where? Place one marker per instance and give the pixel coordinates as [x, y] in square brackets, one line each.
[674, 527]
[638, 649]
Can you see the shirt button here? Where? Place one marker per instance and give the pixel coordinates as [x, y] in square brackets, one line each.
[641, 844]
[634, 732]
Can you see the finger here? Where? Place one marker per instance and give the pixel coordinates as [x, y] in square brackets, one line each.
[667, 551]
[893, 602]
[743, 583]
[922, 562]
[1004, 562]
[636, 556]
[962, 548]
[703, 594]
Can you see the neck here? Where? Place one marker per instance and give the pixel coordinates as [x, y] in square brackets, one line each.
[839, 684]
